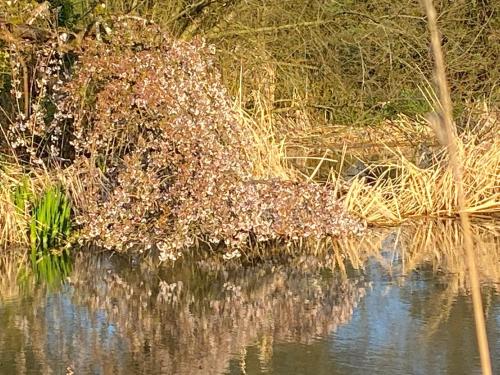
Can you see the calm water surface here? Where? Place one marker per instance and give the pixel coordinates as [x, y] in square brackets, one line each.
[280, 317]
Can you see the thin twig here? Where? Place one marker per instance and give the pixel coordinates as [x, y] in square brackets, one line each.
[268, 29]
[188, 9]
[26, 89]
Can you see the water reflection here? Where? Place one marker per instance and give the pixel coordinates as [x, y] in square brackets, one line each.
[431, 244]
[392, 331]
[401, 308]
[113, 318]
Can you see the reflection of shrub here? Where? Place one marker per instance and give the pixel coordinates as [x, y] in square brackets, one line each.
[201, 302]
[151, 117]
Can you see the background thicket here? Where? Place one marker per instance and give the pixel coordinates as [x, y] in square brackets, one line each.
[350, 62]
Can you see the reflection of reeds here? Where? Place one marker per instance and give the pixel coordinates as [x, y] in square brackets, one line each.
[9, 269]
[434, 244]
[443, 247]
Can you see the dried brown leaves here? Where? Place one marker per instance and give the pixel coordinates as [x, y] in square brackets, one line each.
[150, 115]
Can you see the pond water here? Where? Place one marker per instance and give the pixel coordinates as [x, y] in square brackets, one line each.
[403, 312]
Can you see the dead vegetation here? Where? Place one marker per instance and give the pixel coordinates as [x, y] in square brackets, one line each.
[168, 165]
[293, 72]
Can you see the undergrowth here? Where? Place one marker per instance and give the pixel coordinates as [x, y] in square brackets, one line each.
[169, 165]
[177, 161]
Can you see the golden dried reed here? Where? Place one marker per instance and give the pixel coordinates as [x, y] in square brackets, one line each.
[457, 168]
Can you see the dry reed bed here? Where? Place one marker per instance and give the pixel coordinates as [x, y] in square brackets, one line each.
[405, 174]
[408, 170]
[430, 192]
[368, 142]
[13, 224]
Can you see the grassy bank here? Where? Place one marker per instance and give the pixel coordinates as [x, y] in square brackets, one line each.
[237, 143]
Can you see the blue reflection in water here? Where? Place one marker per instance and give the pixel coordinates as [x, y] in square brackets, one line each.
[400, 327]
[72, 332]
[383, 335]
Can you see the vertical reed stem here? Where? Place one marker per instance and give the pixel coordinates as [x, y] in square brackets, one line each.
[457, 170]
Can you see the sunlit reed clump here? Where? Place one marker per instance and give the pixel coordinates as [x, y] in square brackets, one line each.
[405, 190]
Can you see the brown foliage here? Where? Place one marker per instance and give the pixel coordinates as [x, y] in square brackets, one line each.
[156, 129]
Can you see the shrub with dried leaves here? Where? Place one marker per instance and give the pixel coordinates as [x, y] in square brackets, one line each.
[167, 161]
